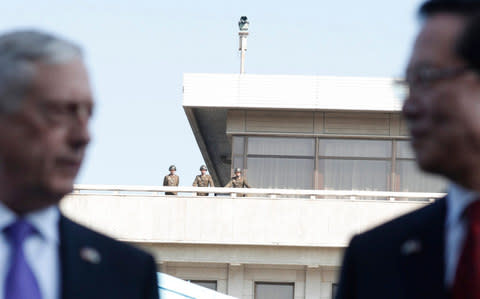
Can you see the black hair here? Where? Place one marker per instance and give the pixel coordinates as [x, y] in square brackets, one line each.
[468, 43]
[466, 8]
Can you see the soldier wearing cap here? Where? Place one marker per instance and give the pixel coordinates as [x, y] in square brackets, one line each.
[203, 180]
[238, 181]
[171, 180]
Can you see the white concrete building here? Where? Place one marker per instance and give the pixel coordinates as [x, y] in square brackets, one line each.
[328, 157]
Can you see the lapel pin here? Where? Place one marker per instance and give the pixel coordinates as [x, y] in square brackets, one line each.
[90, 255]
[411, 247]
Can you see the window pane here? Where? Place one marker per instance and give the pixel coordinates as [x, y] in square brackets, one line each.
[238, 162]
[411, 179]
[274, 290]
[292, 173]
[334, 290]
[238, 145]
[355, 148]
[404, 150]
[206, 284]
[354, 174]
[281, 146]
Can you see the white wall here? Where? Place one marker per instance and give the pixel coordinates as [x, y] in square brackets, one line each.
[239, 280]
[238, 241]
[225, 220]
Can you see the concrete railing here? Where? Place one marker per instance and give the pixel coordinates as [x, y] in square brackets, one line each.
[123, 190]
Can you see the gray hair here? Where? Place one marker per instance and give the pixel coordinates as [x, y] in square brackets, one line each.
[19, 51]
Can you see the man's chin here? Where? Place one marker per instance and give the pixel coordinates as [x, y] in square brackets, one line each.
[60, 187]
[37, 197]
[430, 165]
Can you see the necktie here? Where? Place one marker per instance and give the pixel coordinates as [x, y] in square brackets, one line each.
[467, 279]
[20, 282]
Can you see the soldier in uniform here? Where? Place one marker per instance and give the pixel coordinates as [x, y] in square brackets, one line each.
[238, 181]
[171, 180]
[203, 180]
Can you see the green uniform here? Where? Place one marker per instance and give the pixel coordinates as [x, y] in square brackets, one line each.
[171, 180]
[237, 182]
[203, 181]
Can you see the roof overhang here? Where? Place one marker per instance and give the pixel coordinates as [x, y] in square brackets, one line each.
[208, 97]
[291, 92]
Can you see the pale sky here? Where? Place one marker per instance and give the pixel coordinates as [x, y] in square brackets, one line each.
[138, 50]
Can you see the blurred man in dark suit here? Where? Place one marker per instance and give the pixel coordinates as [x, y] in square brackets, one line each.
[433, 252]
[45, 108]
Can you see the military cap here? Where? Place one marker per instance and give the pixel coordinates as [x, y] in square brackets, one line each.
[237, 170]
[172, 167]
[203, 167]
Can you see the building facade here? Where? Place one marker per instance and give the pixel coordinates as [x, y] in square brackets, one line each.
[256, 247]
[328, 158]
[300, 132]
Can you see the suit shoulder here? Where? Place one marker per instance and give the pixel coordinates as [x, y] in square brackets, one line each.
[404, 226]
[104, 242]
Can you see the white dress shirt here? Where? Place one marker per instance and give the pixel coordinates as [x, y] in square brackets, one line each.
[41, 249]
[458, 199]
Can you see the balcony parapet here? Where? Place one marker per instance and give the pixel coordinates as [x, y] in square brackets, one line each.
[267, 217]
[123, 190]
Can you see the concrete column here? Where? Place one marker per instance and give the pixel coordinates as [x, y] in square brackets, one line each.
[312, 283]
[235, 280]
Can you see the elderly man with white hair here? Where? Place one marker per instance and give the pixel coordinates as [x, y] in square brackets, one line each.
[45, 108]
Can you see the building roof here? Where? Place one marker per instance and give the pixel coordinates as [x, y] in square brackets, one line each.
[207, 98]
[291, 92]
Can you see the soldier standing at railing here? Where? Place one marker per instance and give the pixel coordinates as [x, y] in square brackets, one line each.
[203, 180]
[171, 180]
[238, 181]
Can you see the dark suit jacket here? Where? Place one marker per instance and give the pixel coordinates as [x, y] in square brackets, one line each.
[403, 259]
[122, 272]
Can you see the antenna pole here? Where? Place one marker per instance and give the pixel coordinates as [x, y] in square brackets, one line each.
[243, 34]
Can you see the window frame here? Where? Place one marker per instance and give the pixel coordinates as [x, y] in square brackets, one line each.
[302, 157]
[255, 283]
[197, 281]
[334, 289]
[320, 177]
[393, 178]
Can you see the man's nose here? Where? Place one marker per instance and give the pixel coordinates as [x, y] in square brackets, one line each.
[79, 134]
[412, 107]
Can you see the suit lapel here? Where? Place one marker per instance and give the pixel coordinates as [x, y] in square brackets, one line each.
[422, 256]
[79, 272]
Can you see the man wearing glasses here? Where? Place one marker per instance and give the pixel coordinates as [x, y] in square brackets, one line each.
[433, 252]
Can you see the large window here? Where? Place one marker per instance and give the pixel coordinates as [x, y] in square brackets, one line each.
[346, 164]
[408, 177]
[281, 162]
[209, 284]
[331, 164]
[238, 152]
[334, 290]
[269, 290]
